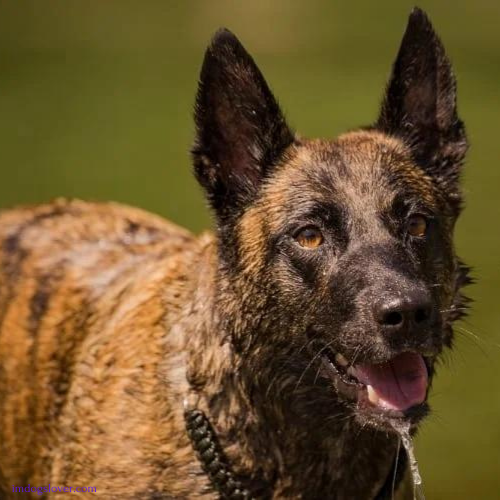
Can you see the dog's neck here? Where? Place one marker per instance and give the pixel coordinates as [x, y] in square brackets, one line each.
[275, 452]
[274, 455]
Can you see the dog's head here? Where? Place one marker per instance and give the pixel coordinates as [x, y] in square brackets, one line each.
[337, 255]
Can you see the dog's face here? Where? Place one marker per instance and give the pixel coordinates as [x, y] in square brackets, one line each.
[339, 252]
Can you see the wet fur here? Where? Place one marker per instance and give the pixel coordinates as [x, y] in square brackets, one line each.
[112, 318]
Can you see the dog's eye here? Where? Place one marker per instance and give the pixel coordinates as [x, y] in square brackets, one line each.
[417, 225]
[309, 237]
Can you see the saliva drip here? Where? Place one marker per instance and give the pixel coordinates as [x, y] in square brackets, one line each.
[403, 429]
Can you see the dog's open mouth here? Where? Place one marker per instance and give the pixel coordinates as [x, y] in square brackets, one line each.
[391, 388]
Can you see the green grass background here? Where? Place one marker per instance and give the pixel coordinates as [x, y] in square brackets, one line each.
[96, 99]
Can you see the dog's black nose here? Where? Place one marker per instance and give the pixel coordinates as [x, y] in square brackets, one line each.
[409, 312]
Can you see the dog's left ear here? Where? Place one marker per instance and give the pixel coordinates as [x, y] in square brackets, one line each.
[420, 104]
[240, 129]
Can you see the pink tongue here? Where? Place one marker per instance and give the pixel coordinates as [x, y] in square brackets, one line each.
[400, 383]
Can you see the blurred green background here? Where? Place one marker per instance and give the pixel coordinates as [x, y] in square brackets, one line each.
[96, 100]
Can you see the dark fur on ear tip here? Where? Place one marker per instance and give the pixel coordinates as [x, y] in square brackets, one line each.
[419, 17]
[225, 46]
[224, 37]
[421, 35]
[419, 28]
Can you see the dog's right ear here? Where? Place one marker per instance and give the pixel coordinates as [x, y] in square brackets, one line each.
[240, 130]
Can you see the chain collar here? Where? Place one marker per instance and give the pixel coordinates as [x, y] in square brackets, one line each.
[212, 458]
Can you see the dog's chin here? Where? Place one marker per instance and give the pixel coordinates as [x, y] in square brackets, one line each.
[383, 395]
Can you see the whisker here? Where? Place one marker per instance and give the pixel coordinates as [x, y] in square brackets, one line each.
[312, 361]
[452, 309]
[317, 374]
[476, 340]
[356, 354]
[361, 429]
[483, 338]
[306, 344]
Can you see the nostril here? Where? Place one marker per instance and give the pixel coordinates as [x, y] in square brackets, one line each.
[421, 315]
[408, 313]
[393, 318]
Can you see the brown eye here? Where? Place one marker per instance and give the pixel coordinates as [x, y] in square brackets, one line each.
[417, 225]
[310, 237]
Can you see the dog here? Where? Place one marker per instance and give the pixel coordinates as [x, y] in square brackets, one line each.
[273, 358]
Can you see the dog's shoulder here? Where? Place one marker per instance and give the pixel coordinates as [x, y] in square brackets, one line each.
[74, 255]
[83, 324]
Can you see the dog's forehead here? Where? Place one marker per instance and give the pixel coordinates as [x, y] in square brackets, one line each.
[362, 168]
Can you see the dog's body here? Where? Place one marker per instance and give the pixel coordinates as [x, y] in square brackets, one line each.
[113, 321]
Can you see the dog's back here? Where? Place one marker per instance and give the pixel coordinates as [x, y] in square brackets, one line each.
[81, 314]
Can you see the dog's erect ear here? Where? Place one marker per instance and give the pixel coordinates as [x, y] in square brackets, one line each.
[420, 103]
[240, 130]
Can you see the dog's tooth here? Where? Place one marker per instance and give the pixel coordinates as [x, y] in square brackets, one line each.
[341, 360]
[372, 395]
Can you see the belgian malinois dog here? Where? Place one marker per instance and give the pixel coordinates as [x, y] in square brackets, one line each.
[272, 359]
